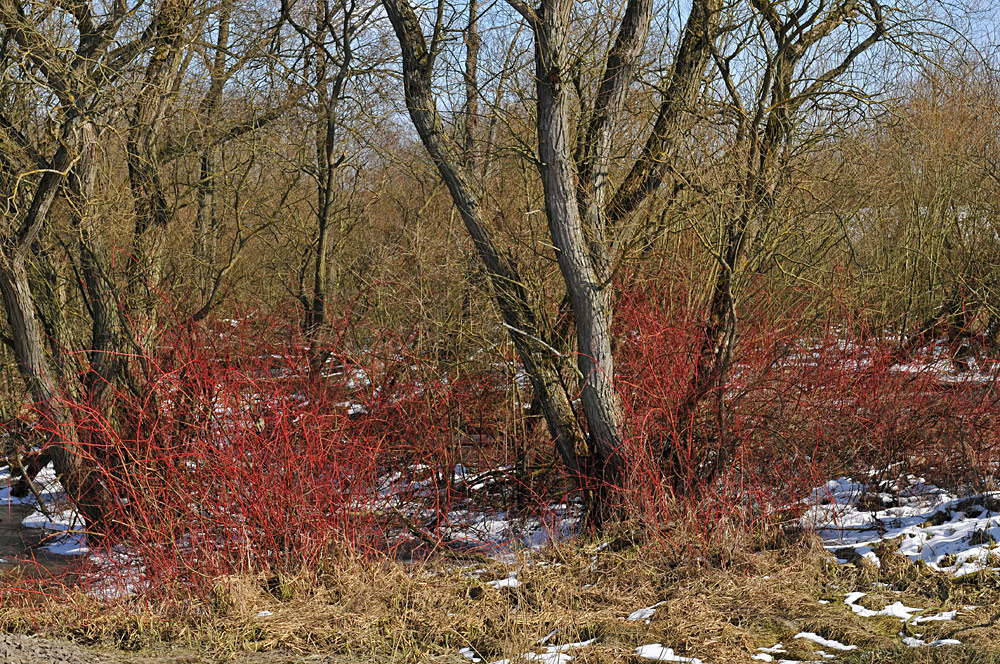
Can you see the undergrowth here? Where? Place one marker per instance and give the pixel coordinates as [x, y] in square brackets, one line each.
[382, 611]
[251, 462]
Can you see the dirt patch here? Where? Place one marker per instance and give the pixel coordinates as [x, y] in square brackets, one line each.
[17, 649]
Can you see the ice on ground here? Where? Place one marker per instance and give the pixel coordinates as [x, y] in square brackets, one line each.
[657, 652]
[61, 522]
[763, 657]
[776, 649]
[644, 614]
[826, 643]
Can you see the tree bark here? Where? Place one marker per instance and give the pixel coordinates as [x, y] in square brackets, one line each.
[206, 222]
[681, 88]
[473, 42]
[152, 212]
[81, 483]
[538, 357]
[104, 354]
[583, 263]
[72, 463]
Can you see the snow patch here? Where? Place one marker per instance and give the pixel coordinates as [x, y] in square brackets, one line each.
[894, 610]
[826, 643]
[958, 536]
[644, 614]
[657, 652]
[510, 582]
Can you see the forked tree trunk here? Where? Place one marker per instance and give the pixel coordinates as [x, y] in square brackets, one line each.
[575, 198]
[540, 360]
[764, 131]
[582, 253]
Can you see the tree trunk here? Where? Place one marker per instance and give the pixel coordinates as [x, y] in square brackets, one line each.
[81, 483]
[473, 42]
[583, 263]
[539, 358]
[152, 213]
[104, 354]
[206, 222]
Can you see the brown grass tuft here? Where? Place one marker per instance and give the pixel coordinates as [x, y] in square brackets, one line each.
[386, 612]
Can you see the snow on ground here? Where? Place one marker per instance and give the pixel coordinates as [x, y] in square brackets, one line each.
[550, 654]
[916, 643]
[497, 533]
[953, 534]
[46, 479]
[644, 614]
[658, 652]
[510, 582]
[61, 522]
[826, 643]
[465, 524]
[950, 534]
[896, 609]
[501, 533]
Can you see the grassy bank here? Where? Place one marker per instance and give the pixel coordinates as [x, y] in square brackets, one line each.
[718, 610]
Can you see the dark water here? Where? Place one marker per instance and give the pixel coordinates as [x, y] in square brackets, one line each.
[19, 546]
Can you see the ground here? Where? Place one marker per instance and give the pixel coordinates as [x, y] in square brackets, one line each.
[587, 602]
[17, 649]
[902, 578]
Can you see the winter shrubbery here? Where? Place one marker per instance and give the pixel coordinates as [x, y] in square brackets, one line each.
[248, 451]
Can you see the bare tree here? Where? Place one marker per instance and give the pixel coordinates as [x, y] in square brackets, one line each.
[766, 106]
[152, 211]
[70, 80]
[576, 202]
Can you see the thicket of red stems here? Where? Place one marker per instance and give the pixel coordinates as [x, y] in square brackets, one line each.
[803, 401]
[240, 458]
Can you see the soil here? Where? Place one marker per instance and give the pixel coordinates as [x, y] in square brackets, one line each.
[17, 649]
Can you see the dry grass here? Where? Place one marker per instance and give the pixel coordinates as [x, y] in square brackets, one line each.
[385, 612]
